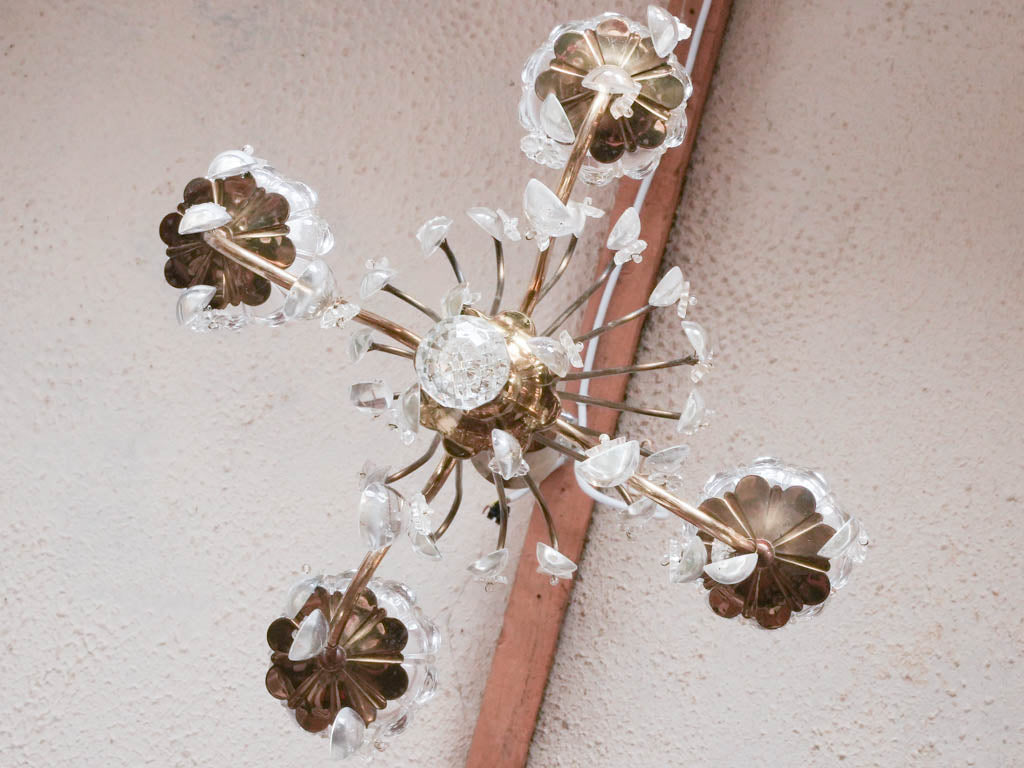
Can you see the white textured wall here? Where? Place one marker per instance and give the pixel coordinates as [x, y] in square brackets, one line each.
[851, 226]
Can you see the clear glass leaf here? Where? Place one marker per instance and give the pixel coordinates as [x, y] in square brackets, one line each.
[666, 462]
[611, 463]
[700, 339]
[488, 221]
[840, 540]
[202, 217]
[507, 459]
[409, 414]
[666, 30]
[625, 231]
[732, 570]
[372, 396]
[687, 558]
[457, 297]
[554, 121]
[489, 567]
[310, 638]
[550, 352]
[233, 162]
[312, 292]
[573, 349]
[347, 733]
[668, 290]
[609, 78]
[637, 515]
[358, 345]
[339, 313]
[193, 302]
[692, 416]
[380, 515]
[424, 545]
[432, 234]
[548, 215]
[375, 279]
[553, 562]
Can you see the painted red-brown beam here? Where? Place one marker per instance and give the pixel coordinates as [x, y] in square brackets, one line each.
[536, 609]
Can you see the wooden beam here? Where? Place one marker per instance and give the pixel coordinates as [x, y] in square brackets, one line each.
[533, 619]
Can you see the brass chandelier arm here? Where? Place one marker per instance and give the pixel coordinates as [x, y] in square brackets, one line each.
[542, 503]
[499, 485]
[397, 332]
[588, 400]
[419, 462]
[439, 476]
[499, 266]
[452, 260]
[578, 153]
[675, 505]
[454, 510]
[639, 368]
[374, 558]
[221, 242]
[581, 299]
[639, 312]
[563, 265]
[398, 293]
[366, 570]
[408, 354]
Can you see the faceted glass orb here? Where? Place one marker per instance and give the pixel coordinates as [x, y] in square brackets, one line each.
[463, 362]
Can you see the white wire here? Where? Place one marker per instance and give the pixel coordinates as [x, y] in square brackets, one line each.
[609, 288]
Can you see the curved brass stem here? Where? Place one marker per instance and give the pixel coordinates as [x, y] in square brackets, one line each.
[570, 249]
[419, 462]
[499, 290]
[578, 153]
[355, 589]
[542, 503]
[399, 333]
[675, 505]
[565, 313]
[439, 477]
[639, 312]
[398, 293]
[456, 503]
[639, 368]
[499, 485]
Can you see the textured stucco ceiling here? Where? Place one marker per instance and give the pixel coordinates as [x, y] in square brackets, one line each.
[851, 226]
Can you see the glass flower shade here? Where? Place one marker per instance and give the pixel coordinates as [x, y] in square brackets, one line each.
[629, 141]
[267, 213]
[807, 545]
[386, 654]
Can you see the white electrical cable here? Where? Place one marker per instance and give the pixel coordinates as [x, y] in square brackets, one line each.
[609, 288]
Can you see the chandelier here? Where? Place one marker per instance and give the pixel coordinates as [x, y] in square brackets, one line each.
[496, 393]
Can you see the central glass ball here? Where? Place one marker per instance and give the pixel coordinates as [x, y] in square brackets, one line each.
[463, 362]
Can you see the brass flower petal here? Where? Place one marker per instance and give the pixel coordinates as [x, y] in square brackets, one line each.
[788, 532]
[577, 53]
[258, 217]
[364, 671]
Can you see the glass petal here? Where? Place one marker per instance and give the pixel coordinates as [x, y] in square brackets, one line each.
[380, 515]
[490, 566]
[546, 212]
[553, 562]
[626, 230]
[668, 290]
[732, 570]
[347, 733]
[551, 352]
[612, 466]
[692, 416]
[310, 638]
[432, 233]
[202, 218]
[312, 292]
[373, 396]
[507, 459]
[193, 302]
[555, 121]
